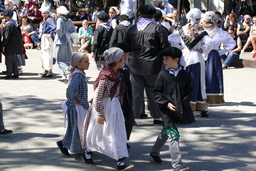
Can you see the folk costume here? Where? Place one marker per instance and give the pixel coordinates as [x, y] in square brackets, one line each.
[101, 39]
[172, 86]
[193, 37]
[75, 108]
[77, 90]
[109, 138]
[147, 39]
[127, 97]
[120, 31]
[214, 73]
[12, 44]
[63, 41]
[47, 50]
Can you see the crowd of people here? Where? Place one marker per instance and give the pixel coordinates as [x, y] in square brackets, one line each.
[172, 59]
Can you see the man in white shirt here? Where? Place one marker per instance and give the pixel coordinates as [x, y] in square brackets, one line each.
[129, 8]
[168, 8]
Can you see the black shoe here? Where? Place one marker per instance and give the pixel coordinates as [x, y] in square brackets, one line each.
[15, 76]
[6, 77]
[180, 168]
[63, 80]
[62, 149]
[47, 75]
[87, 161]
[125, 167]
[128, 146]
[5, 132]
[156, 159]
[135, 123]
[143, 116]
[158, 122]
[204, 114]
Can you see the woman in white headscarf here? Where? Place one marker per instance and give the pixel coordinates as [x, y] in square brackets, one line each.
[63, 42]
[47, 37]
[113, 13]
[195, 46]
[214, 75]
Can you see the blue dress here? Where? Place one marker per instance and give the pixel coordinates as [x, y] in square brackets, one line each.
[63, 42]
[213, 67]
[77, 90]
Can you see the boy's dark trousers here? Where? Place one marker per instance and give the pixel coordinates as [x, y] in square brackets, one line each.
[129, 122]
[12, 65]
[173, 148]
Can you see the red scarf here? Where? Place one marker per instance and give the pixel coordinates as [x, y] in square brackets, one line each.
[108, 73]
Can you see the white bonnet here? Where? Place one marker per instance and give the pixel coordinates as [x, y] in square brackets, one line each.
[113, 54]
[210, 16]
[116, 10]
[45, 9]
[11, 1]
[193, 14]
[62, 10]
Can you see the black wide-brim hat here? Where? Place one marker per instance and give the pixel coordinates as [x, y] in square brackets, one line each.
[103, 16]
[171, 51]
[8, 12]
[147, 9]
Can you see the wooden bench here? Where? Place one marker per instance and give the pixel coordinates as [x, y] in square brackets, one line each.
[79, 23]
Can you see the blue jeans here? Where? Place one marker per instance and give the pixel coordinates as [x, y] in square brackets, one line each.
[232, 56]
[35, 38]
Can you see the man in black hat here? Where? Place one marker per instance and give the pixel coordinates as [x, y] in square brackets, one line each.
[147, 39]
[102, 37]
[11, 45]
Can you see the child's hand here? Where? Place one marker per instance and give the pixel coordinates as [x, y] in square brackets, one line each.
[171, 107]
[101, 119]
[200, 50]
[76, 102]
[90, 101]
[47, 35]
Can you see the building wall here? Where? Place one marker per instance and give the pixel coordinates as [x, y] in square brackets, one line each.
[214, 5]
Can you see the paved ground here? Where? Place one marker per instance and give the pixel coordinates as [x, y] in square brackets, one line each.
[223, 142]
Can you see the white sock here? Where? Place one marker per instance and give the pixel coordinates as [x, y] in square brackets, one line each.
[120, 163]
[87, 154]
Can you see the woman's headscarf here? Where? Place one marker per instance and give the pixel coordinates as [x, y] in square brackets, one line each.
[192, 15]
[62, 10]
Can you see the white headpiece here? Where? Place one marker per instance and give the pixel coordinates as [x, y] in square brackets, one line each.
[45, 9]
[116, 10]
[12, 1]
[62, 10]
[192, 15]
[210, 16]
